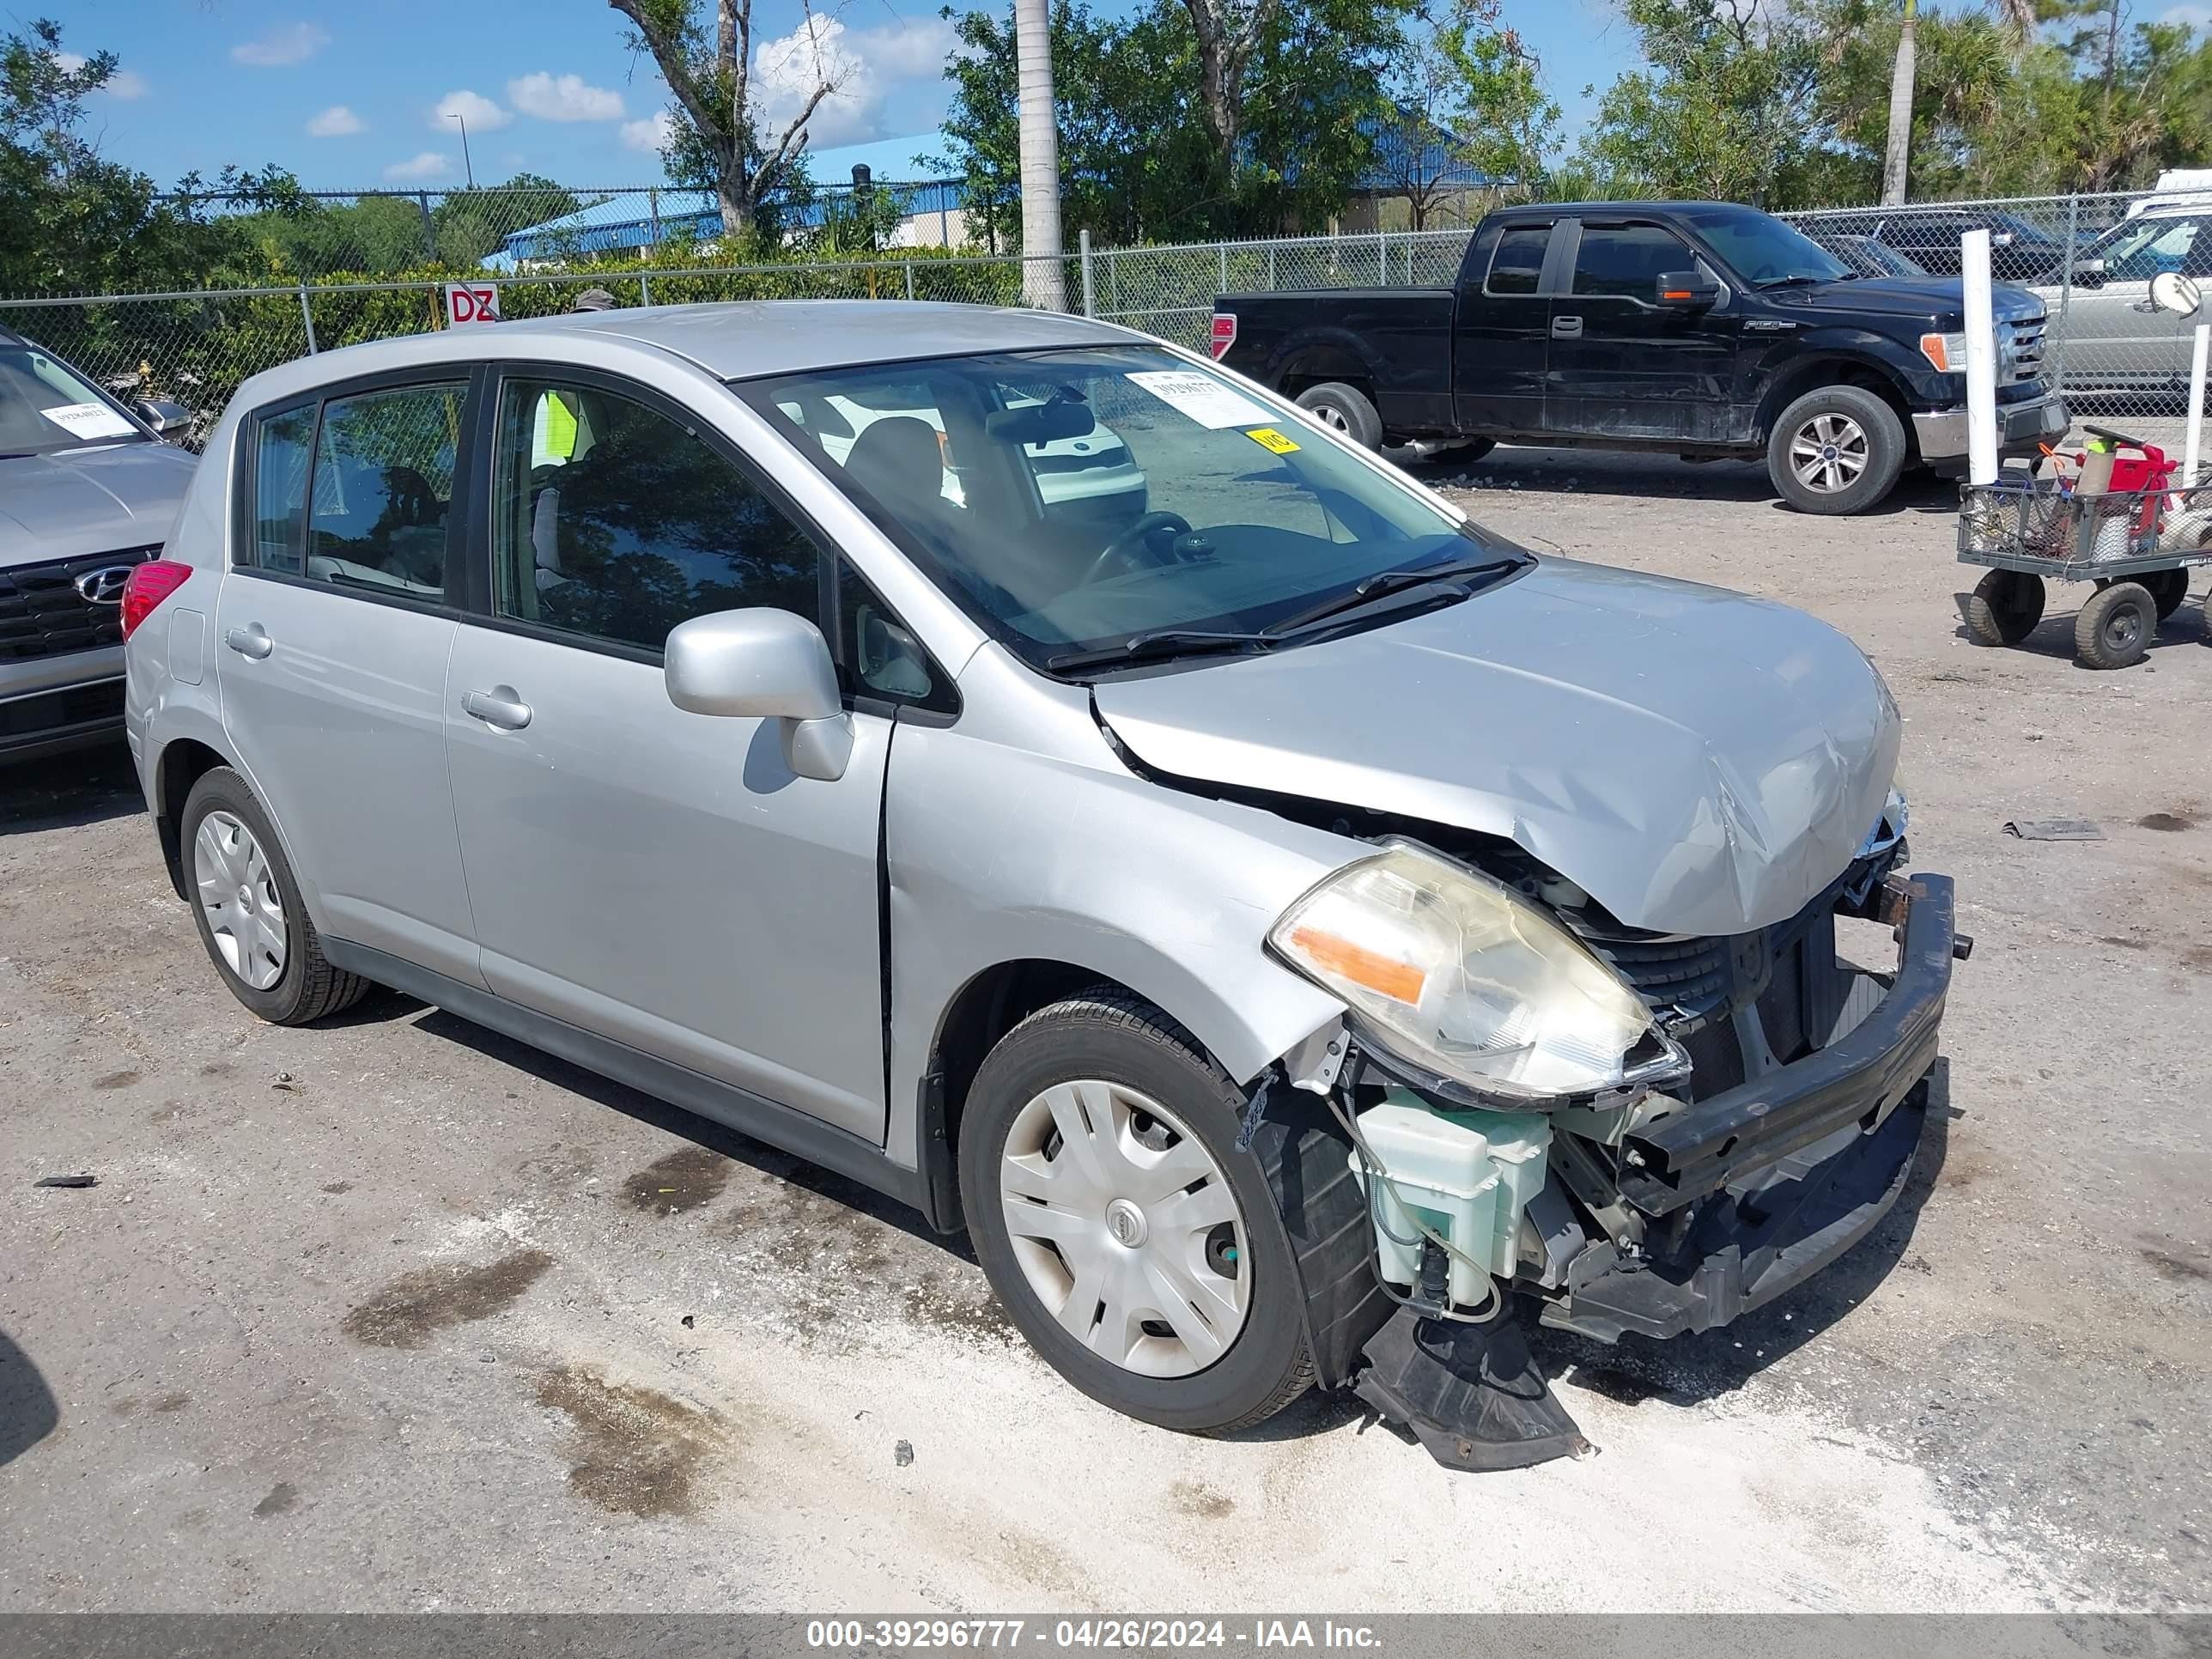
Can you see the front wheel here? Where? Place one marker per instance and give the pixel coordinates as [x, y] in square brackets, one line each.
[1836, 449]
[2005, 607]
[2114, 628]
[1137, 1249]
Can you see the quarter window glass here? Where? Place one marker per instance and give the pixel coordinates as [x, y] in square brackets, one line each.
[383, 481]
[1626, 261]
[1519, 260]
[280, 487]
[611, 520]
[879, 657]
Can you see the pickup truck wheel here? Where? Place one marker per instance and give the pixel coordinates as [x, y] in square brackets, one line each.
[1836, 449]
[1141, 1254]
[1345, 409]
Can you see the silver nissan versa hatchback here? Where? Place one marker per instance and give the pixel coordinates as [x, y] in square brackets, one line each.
[1289, 927]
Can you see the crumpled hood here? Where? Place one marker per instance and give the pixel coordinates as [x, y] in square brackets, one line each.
[1700, 762]
[75, 502]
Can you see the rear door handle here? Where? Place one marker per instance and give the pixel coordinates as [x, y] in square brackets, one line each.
[1567, 328]
[251, 641]
[498, 706]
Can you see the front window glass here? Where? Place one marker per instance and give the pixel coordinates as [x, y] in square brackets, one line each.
[46, 405]
[1626, 261]
[610, 521]
[1760, 248]
[1074, 500]
[2139, 251]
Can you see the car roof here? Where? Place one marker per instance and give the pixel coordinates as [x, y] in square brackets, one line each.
[1575, 209]
[744, 339]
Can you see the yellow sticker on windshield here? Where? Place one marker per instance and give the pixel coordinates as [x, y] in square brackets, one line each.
[1268, 438]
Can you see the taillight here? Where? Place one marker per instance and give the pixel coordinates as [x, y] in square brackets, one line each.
[150, 583]
[1225, 333]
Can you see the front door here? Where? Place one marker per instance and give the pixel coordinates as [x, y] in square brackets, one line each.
[1623, 366]
[334, 626]
[2116, 335]
[657, 877]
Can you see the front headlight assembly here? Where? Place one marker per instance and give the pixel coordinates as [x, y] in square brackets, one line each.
[1470, 988]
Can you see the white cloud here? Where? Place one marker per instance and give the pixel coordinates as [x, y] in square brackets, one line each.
[288, 43]
[420, 169]
[863, 65]
[650, 135]
[2195, 16]
[126, 84]
[480, 114]
[563, 97]
[335, 122]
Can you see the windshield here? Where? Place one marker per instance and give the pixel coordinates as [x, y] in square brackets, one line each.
[2141, 249]
[44, 405]
[1075, 501]
[1760, 248]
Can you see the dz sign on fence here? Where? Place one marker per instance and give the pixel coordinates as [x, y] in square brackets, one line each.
[471, 302]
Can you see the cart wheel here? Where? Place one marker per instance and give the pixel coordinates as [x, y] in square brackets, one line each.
[2167, 589]
[2005, 608]
[2114, 628]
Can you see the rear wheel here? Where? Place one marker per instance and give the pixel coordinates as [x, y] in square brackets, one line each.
[246, 904]
[1344, 409]
[1137, 1249]
[2005, 608]
[1838, 449]
[2167, 590]
[2114, 628]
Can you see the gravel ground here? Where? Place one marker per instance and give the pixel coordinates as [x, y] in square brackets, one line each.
[393, 1313]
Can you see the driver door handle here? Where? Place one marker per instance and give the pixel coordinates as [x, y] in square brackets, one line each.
[498, 706]
[251, 641]
[1567, 328]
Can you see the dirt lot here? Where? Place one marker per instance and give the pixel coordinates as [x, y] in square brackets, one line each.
[395, 1315]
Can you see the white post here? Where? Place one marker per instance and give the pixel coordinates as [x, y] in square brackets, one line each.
[2196, 405]
[1981, 359]
[1082, 247]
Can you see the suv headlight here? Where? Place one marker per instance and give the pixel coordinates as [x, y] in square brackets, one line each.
[1459, 977]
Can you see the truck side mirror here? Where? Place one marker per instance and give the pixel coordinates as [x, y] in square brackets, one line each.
[2088, 273]
[1686, 290]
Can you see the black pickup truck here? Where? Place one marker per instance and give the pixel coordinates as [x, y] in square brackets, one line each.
[1701, 329]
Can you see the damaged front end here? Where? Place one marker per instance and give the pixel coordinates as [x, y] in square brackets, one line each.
[1761, 1118]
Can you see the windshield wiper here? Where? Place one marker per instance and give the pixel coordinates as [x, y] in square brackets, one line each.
[1451, 577]
[1794, 281]
[1157, 644]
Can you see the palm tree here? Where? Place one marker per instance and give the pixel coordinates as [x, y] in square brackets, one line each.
[1896, 153]
[1042, 282]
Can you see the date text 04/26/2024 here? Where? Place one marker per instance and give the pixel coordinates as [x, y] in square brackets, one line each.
[899, 1635]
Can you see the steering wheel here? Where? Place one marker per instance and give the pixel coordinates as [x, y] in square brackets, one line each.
[1135, 537]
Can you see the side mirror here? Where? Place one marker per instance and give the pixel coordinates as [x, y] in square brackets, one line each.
[2088, 273]
[1686, 290]
[2001, 237]
[764, 665]
[164, 417]
[2171, 291]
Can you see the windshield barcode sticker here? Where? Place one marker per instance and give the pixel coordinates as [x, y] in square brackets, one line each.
[1200, 398]
[89, 421]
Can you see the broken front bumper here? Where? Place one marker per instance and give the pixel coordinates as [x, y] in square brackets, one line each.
[1757, 1188]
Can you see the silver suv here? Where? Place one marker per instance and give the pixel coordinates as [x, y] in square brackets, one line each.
[87, 491]
[1284, 928]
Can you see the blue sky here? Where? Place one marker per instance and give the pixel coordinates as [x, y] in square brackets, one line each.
[357, 97]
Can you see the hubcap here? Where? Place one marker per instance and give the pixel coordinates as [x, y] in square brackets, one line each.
[238, 895]
[1828, 452]
[2124, 627]
[1333, 417]
[1125, 1228]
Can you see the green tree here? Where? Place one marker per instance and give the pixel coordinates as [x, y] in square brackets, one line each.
[1505, 119]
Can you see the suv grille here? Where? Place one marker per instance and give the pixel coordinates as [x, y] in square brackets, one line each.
[43, 615]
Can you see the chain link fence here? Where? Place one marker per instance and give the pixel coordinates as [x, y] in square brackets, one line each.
[2117, 356]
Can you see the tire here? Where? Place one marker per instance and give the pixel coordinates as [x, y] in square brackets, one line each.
[2114, 628]
[2168, 589]
[244, 867]
[1836, 450]
[1119, 1047]
[2005, 608]
[1344, 409]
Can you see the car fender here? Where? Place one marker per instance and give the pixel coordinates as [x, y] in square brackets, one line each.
[1082, 862]
[1320, 353]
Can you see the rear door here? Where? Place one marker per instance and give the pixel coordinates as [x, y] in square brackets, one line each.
[1499, 346]
[335, 627]
[1621, 365]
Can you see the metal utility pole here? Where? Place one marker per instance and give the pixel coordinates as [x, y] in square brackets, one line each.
[471, 165]
[1897, 154]
[1042, 281]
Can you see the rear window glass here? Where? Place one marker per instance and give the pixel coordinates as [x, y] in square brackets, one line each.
[1519, 260]
[280, 444]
